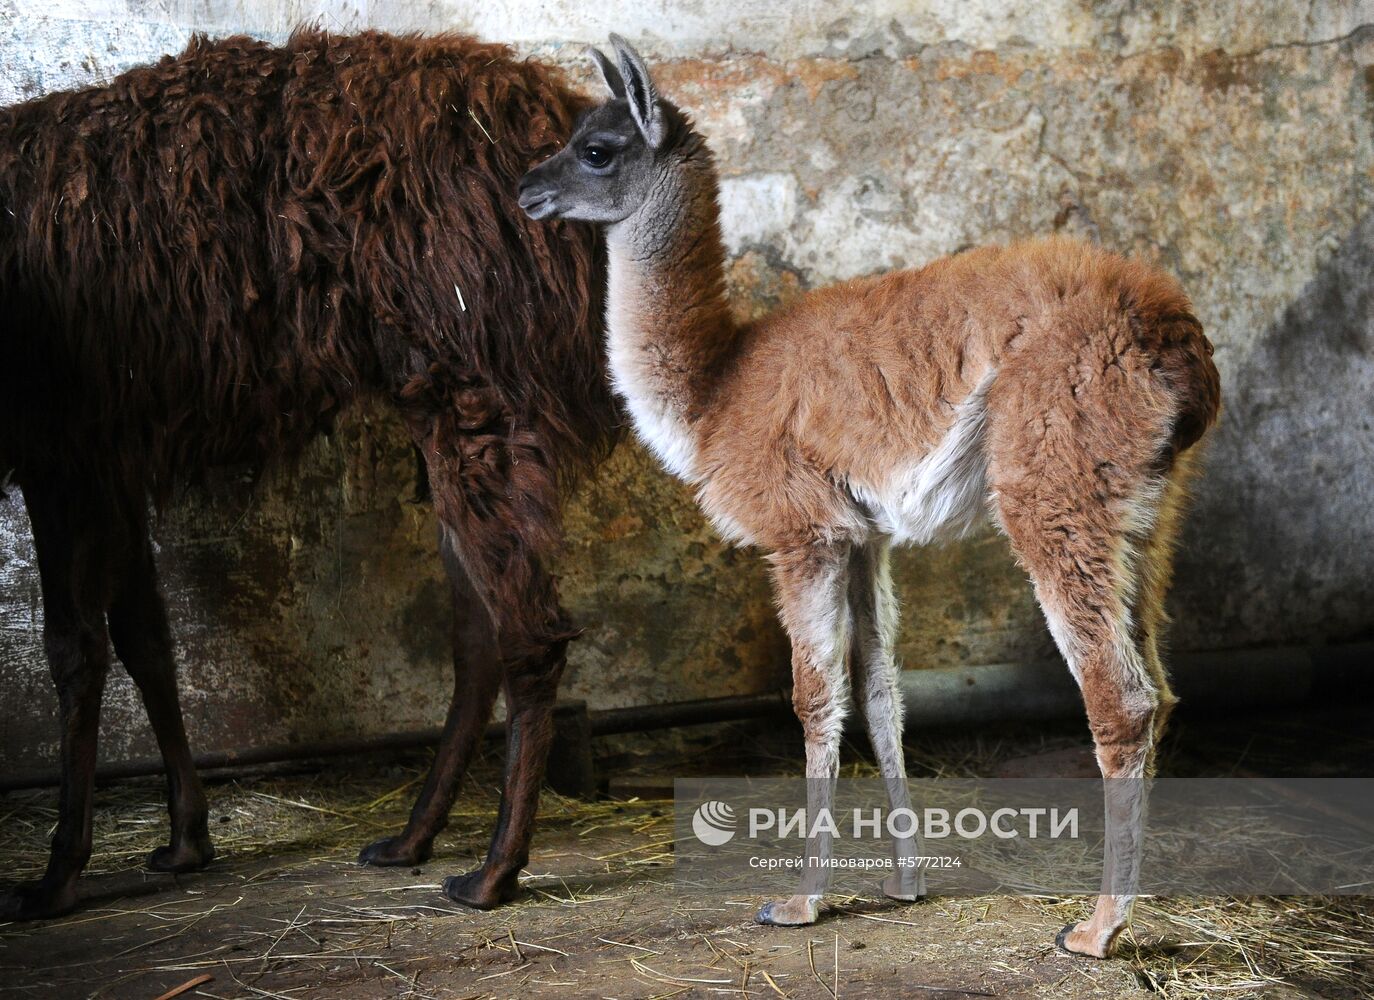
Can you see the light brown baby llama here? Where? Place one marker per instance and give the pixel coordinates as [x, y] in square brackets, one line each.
[1052, 386]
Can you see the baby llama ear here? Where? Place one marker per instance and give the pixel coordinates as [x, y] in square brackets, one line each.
[609, 73]
[639, 90]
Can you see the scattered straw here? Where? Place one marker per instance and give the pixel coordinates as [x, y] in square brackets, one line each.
[604, 910]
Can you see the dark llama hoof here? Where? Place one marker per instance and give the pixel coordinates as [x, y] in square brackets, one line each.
[393, 852]
[36, 901]
[186, 857]
[476, 891]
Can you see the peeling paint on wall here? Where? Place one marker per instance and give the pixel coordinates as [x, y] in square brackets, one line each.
[1230, 143]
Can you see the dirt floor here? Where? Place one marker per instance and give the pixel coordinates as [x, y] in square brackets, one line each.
[285, 912]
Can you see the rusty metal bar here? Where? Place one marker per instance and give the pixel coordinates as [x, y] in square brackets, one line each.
[602, 723]
[1231, 681]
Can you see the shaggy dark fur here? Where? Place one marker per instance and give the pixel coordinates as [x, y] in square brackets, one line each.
[206, 261]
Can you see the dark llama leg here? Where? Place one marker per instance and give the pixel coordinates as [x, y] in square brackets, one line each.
[476, 678]
[497, 500]
[67, 536]
[535, 659]
[143, 643]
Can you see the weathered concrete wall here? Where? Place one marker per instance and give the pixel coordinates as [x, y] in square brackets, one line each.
[1229, 142]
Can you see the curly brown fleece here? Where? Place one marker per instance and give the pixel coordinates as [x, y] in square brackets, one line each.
[205, 260]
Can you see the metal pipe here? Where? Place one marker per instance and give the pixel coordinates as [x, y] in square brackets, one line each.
[602, 723]
[1232, 680]
[249, 757]
[645, 718]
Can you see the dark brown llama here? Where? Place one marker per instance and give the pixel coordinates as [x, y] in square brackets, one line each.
[204, 262]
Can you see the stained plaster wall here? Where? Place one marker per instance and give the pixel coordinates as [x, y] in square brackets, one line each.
[1231, 143]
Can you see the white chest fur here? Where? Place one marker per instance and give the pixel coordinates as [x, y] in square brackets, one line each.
[636, 372]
